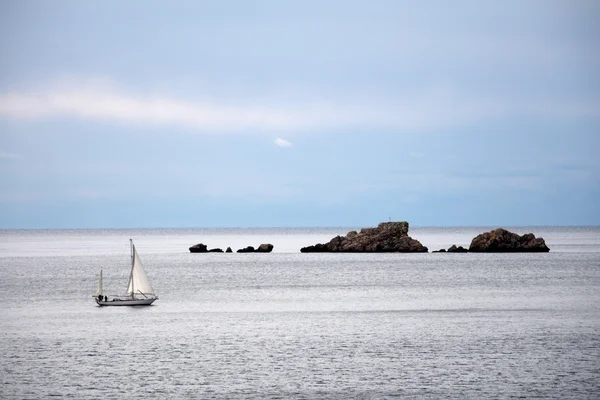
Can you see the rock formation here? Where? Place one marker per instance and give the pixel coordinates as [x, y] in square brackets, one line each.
[452, 249]
[263, 248]
[199, 248]
[248, 249]
[502, 241]
[202, 248]
[459, 249]
[388, 237]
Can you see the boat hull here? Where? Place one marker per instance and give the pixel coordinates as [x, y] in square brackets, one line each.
[126, 302]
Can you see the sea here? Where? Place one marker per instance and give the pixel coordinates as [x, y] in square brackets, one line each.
[290, 325]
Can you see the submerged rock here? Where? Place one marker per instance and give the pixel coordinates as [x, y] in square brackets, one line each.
[388, 237]
[502, 241]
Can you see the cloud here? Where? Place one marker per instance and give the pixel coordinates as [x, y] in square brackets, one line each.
[427, 109]
[9, 156]
[128, 108]
[282, 142]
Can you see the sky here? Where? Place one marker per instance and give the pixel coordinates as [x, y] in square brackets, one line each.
[149, 114]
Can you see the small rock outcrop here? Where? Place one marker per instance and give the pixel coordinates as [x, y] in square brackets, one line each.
[263, 248]
[202, 248]
[459, 249]
[248, 249]
[199, 248]
[502, 241]
[388, 237]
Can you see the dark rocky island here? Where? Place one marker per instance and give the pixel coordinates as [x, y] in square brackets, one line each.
[392, 237]
[263, 248]
[452, 249]
[459, 249]
[202, 248]
[199, 248]
[502, 241]
[388, 237]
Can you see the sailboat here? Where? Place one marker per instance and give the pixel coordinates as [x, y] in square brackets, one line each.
[139, 290]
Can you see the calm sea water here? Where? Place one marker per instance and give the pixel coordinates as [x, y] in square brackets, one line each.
[292, 325]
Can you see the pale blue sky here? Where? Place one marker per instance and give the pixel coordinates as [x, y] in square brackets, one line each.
[312, 113]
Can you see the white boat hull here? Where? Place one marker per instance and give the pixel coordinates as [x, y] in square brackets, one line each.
[126, 302]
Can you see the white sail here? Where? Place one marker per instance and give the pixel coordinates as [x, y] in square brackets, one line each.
[99, 289]
[138, 281]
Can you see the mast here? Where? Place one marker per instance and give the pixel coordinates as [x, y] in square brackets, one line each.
[138, 275]
[132, 265]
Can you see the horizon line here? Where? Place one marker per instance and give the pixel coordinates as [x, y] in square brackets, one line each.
[304, 227]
